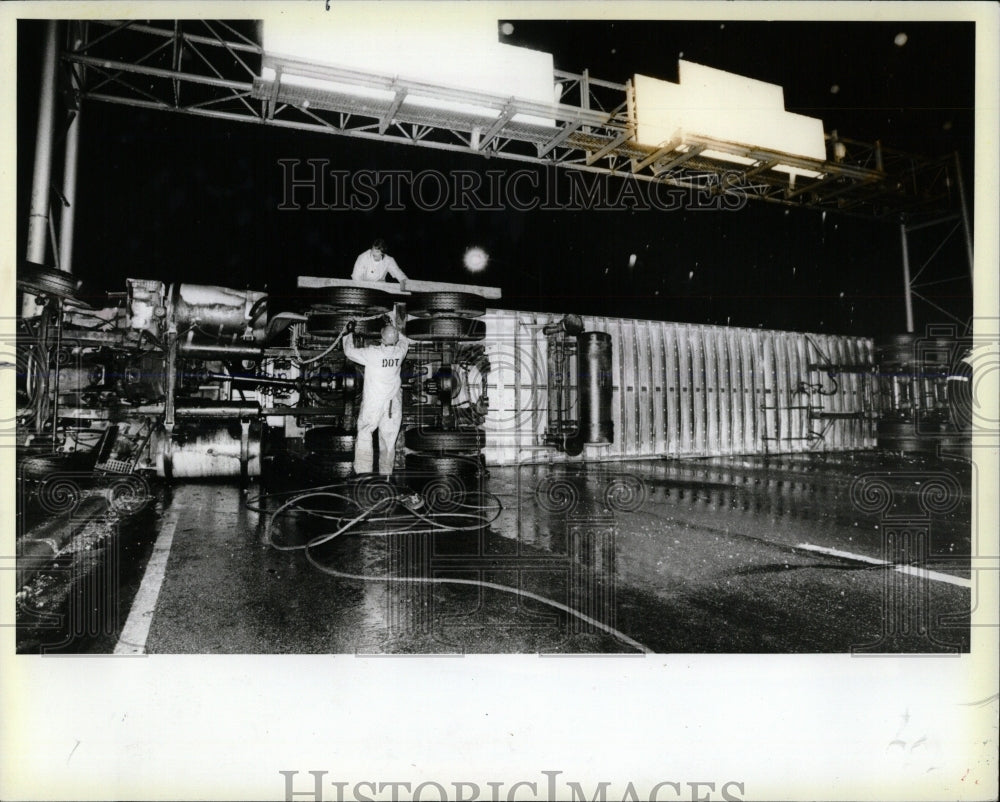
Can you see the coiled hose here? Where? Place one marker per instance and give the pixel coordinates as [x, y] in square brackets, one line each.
[405, 523]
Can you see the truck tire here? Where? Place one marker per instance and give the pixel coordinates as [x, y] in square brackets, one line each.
[350, 298]
[50, 280]
[324, 467]
[440, 440]
[430, 465]
[331, 324]
[902, 436]
[328, 440]
[450, 304]
[436, 329]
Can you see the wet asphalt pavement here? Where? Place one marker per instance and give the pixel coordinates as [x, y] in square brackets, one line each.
[746, 555]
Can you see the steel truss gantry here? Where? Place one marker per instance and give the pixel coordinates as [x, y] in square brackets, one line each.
[215, 69]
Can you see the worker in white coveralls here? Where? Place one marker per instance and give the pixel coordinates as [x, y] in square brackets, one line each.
[381, 398]
[374, 264]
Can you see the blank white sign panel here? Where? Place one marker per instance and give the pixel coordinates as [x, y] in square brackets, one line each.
[723, 106]
[459, 51]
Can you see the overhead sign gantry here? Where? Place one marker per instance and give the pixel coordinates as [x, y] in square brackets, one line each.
[224, 70]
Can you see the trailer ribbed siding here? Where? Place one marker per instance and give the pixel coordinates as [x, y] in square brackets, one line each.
[682, 390]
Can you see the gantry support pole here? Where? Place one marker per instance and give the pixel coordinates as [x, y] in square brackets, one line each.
[69, 194]
[71, 159]
[38, 220]
[965, 217]
[907, 291]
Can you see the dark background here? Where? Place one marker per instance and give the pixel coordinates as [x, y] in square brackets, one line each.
[180, 198]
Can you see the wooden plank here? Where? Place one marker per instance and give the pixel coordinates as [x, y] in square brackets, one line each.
[415, 285]
[324, 281]
[412, 285]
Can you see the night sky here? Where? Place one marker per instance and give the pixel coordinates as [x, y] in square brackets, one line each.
[178, 198]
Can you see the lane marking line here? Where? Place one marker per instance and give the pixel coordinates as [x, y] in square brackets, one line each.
[935, 575]
[903, 569]
[132, 640]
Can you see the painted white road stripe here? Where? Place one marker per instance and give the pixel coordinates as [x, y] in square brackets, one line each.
[847, 555]
[936, 575]
[903, 569]
[140, 617]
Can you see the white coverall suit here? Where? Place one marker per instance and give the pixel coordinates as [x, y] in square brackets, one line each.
[381, 402]
[367, 268]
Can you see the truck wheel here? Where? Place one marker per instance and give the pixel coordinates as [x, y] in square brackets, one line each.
[436, 329]
[902, 436]
[329, 439]
[329, 466]
[428, 439]
[449, 465]
[331, 324]
[452, 304]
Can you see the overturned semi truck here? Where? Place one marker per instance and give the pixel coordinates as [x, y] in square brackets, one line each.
[192, 381]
